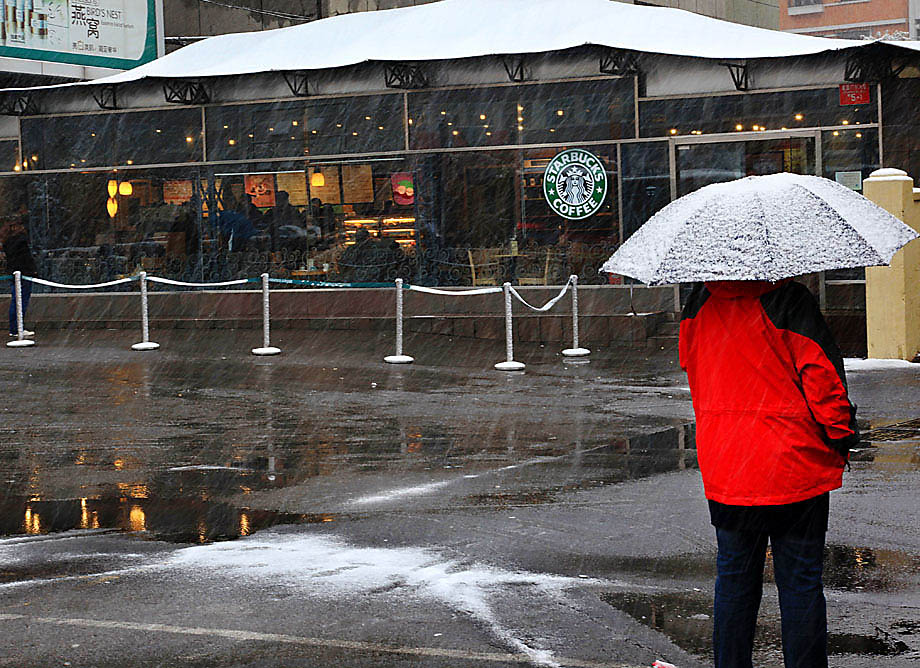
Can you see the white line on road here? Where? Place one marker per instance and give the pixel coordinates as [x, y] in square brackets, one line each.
[234, 634]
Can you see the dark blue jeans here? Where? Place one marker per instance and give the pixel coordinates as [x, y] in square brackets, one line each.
[26, 293]
[798, 562]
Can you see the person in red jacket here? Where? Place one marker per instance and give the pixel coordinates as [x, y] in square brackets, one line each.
[774, 426]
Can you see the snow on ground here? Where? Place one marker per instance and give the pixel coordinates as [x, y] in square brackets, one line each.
[326, 566]
[859, 364]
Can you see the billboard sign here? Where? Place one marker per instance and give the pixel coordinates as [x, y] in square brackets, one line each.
[118, 34]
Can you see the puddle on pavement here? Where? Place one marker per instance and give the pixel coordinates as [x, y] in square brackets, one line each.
[158, 488]
[179, 520]
[685, 618]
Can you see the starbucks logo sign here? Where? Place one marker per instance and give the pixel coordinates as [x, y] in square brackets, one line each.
[575, 184]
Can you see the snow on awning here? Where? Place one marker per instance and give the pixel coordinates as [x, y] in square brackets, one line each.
[454, 29]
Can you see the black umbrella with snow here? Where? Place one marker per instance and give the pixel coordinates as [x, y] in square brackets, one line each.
[760, 228]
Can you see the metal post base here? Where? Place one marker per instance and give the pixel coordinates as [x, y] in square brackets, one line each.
[576, 352]
[270, 350]
[398, 359]
[510, 366]
[146, 345]
[20, 343]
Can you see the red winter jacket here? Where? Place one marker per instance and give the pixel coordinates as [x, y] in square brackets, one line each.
[773, 421]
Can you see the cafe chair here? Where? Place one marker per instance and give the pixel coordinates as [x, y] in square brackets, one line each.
[484, 266]
[539, 279]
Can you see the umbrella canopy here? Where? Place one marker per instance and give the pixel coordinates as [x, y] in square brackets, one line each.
[760, 228]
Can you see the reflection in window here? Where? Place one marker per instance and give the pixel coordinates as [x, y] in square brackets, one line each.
[530, 114]
[249, 131]
[95, 140]
[751, 112]
[646, 183]
[365, 124]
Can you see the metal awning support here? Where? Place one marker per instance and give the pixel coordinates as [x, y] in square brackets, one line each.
[514, 67]
[406, 76]
[184, 91]
[619, 63]
[298, 82]
[106, 96]
[740, 73]
[869, 67]
[18, 104]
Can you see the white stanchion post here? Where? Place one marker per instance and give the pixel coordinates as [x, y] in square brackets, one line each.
[21, 341]
[509, 364]
[267, 348]
[399, 358]
[146, 343]
[575, 350]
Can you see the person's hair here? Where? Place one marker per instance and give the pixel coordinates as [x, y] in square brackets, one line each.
[362, 234]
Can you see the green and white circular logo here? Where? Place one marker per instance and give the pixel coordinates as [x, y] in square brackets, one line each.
[575, 184]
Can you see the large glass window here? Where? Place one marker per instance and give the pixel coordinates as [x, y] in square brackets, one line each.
[752, 112]
[700, 164]
[97, 226]
[646, 183]
[248, 131]
[529, 114]
[97, 140]
[366, 124]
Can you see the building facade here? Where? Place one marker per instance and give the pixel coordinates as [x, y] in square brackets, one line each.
[434, 172]
[873, 19]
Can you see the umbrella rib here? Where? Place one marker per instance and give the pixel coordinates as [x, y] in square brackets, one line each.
[677, 235]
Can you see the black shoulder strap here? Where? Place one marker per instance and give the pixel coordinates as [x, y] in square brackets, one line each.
[695, 300]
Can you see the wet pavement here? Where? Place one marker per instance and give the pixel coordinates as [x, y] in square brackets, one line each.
[200, 506]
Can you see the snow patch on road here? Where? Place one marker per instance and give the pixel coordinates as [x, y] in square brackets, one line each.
[401, 492]
[325, 566]
[858, 364]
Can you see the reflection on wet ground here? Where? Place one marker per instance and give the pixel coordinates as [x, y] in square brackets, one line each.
[117, 444]
[200, 502]
[685, 619]
[202, 449]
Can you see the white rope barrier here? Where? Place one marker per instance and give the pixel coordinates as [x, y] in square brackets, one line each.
[509, 364]
[222, 284]
[548, 305]
[93, 286]
[575, 350]
[21, 340]
[267, 348]
[399, 358]
[146, 343]
[454, 293]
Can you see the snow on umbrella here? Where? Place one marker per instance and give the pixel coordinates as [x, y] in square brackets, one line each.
[760, 228]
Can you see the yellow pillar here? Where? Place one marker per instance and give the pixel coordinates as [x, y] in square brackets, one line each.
[893, 292]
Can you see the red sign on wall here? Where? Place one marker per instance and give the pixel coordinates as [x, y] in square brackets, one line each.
[854, 94]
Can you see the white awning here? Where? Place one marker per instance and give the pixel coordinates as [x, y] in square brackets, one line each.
[453, 29]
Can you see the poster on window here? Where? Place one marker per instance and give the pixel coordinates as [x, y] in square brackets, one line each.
[106, 33]
[177, 192]
[262, 189]
[403, 188]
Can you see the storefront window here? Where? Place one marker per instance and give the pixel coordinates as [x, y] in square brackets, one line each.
[464, 117]
[247, 131]
[646, 183]
[97, 140]
[849, 157]
[597, 110]
[700, 164]
[529, 114]
[752, 112]
[9, 156]
[97, 226]
[363, 124]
